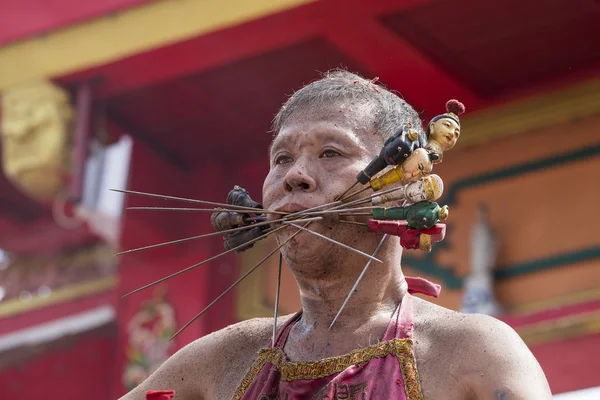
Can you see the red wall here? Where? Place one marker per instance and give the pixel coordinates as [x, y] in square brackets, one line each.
[190, 292]
[570, 364]
[79, 368]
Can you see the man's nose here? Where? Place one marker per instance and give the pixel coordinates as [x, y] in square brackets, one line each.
[299, 178]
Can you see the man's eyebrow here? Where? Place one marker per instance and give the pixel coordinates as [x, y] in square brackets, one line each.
[324, 136]
[276, 143]
[348, 137]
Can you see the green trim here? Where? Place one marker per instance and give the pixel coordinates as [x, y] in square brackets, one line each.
[549, 262]
[447, 274]
[577, 155]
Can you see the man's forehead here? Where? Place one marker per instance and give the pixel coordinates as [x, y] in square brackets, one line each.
[317, 131]
[339, 123]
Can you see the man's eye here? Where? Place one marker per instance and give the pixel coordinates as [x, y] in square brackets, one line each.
[283, 159]
[329, 154]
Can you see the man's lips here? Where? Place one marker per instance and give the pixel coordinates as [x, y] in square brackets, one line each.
[292, 208]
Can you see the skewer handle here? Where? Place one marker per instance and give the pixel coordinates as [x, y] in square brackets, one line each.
[412, 239]
[419, 216]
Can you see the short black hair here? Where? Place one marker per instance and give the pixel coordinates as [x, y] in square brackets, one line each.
[336, 87]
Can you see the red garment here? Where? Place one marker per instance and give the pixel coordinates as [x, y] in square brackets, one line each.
[386, 370]
[160, 394]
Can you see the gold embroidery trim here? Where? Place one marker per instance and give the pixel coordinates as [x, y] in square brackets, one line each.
[401, 348]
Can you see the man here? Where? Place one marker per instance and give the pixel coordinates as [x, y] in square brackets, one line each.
[324, 135]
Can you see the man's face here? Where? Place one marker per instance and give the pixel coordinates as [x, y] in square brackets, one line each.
[445, 131]
[315, 159]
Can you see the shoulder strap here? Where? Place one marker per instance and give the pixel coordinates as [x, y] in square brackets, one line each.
[404, 322]
[284, 331]
[401, 324]
[423, 286]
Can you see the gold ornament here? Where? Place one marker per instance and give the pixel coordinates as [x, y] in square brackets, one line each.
[35, 134]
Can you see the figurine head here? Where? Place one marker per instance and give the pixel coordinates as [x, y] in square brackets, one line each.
[445, 128]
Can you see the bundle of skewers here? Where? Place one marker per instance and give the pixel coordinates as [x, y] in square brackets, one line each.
[401, 202]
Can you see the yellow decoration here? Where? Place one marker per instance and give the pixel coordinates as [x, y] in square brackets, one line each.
[60, 295]
[401, 348]
[125, 33]
[36, 121]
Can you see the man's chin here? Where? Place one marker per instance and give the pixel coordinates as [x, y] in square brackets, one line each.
[304, 245]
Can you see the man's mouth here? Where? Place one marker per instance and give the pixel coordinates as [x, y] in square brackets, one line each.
[291, 208]
[449, 138]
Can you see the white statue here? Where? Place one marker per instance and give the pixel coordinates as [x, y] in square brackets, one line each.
[478, 296]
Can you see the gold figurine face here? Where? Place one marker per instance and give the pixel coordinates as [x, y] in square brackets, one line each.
[445, 131]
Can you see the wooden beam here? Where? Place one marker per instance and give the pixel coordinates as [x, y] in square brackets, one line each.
[204, 52]
[400, 66]
[126, 33]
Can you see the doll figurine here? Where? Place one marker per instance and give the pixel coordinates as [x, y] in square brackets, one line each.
[442, 134]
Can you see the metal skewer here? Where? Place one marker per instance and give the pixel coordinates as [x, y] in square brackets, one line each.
[277, 297]
[343, 210]
[204, 262]
[312, 209]
[369, 197]
[358, 280]
[353, 222]
[338, 243]
[203, 209]
[355, 193]
[241, 228]
[339, 204]
[354, 214]
[211, 203]
[341, 196]
[251, 270]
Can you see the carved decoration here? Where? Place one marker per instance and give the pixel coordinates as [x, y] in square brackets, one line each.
[149, 331]
[36, 121]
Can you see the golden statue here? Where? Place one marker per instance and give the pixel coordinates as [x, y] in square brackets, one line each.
[35, 134]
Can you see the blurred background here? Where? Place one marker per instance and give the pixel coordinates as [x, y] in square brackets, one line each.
[176, 97]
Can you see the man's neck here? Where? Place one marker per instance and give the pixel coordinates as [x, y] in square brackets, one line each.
[374, 300]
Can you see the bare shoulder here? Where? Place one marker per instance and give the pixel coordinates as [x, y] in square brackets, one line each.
[485, 356]
[212, 365]
[477, 329]
[234, 349]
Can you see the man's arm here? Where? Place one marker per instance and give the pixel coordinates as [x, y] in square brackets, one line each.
[212, 366]
[499, 364]
[183, 372]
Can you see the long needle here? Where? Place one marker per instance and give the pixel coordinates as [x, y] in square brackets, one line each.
[201, 209]
[369, 197]
[251, 270]
[343, 210]
[341, 196]
[358, 280]
[355, 193]
[353, 222]
[312, 209]
[295, 221]
[339, 204]
[204, 262]
[210, 203]
[277, 298]
[240, 228]
[338, 243]
[354, 214]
